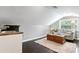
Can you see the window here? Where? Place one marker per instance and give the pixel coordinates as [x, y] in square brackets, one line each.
[68, 23]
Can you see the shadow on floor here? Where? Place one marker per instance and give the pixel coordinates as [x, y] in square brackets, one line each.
[32, 47]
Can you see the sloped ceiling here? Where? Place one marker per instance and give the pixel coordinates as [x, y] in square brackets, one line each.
[43, 15]
[62, 11]
[37, 15]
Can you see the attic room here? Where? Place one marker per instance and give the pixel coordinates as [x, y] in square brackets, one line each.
[56, 31]
[39, 29]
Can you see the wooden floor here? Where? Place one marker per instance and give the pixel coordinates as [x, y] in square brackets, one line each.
[32, 47]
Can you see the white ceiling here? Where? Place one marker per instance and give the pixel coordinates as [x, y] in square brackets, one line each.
[37, 15]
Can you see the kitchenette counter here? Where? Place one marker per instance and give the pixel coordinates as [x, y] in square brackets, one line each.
[9, 33]
[11, 42]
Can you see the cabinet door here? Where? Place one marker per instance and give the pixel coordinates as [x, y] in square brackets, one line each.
[11, 43]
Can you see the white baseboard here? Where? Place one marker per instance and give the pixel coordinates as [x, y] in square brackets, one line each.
[32, 39]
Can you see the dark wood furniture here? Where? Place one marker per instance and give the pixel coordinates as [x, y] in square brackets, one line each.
[56, 38]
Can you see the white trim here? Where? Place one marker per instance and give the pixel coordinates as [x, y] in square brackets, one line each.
[32, 39]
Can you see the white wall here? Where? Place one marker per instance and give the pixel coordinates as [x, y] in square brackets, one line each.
[34, 21]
